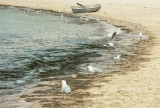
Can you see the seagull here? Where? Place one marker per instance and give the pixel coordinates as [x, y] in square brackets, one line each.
[62, 15]
[111, 44]
[20, 81]
[65, 88]
[116, 58]
[110, 37]
[140, 35]
[94, 70]
[86, 19]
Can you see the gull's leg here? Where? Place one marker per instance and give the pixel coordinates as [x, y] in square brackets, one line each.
[140, 37]
[93, 76]
[133, 49]
[67, 96]
[114, 62]
[63, 96]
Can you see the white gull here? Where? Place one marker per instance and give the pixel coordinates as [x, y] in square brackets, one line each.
[110, 38]
[62, 15]
[65, 88]
[94, 70]
[140, 36]
[116, 58]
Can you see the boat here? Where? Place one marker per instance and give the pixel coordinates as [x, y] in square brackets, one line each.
[85, 9]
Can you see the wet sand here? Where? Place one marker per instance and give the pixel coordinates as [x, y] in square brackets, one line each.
[138, 88]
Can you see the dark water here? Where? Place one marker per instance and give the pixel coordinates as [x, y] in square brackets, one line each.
[36, 44]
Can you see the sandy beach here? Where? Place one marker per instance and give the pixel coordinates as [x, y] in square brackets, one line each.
[138, 88]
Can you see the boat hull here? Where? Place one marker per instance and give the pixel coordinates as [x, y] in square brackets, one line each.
[86, 9]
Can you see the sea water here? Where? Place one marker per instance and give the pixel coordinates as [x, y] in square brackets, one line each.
[36, 44]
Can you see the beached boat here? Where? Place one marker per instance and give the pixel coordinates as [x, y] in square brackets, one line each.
[85, 9]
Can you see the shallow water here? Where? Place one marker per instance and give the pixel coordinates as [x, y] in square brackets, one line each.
[36, 44]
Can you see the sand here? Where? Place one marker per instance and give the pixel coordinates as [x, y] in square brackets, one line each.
[134, 89]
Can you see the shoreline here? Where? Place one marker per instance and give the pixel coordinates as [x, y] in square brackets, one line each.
[135, 27]
[114, 97]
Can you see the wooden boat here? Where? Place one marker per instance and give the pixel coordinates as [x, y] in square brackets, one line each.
[85, 9]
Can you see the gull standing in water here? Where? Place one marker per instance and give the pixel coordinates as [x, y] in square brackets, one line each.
[140, 36]
[86, 19]
[110, 38]
[116, 58]
[62, 15]
[65, 88]
[143, 36]
[94, 70]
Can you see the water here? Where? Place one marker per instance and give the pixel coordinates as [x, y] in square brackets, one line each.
[36, 44]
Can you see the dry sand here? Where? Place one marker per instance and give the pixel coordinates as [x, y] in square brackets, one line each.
[134, 89]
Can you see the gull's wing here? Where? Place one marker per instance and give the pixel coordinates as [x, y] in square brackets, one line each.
[68, 89]
[97, 70]
[113, 36]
